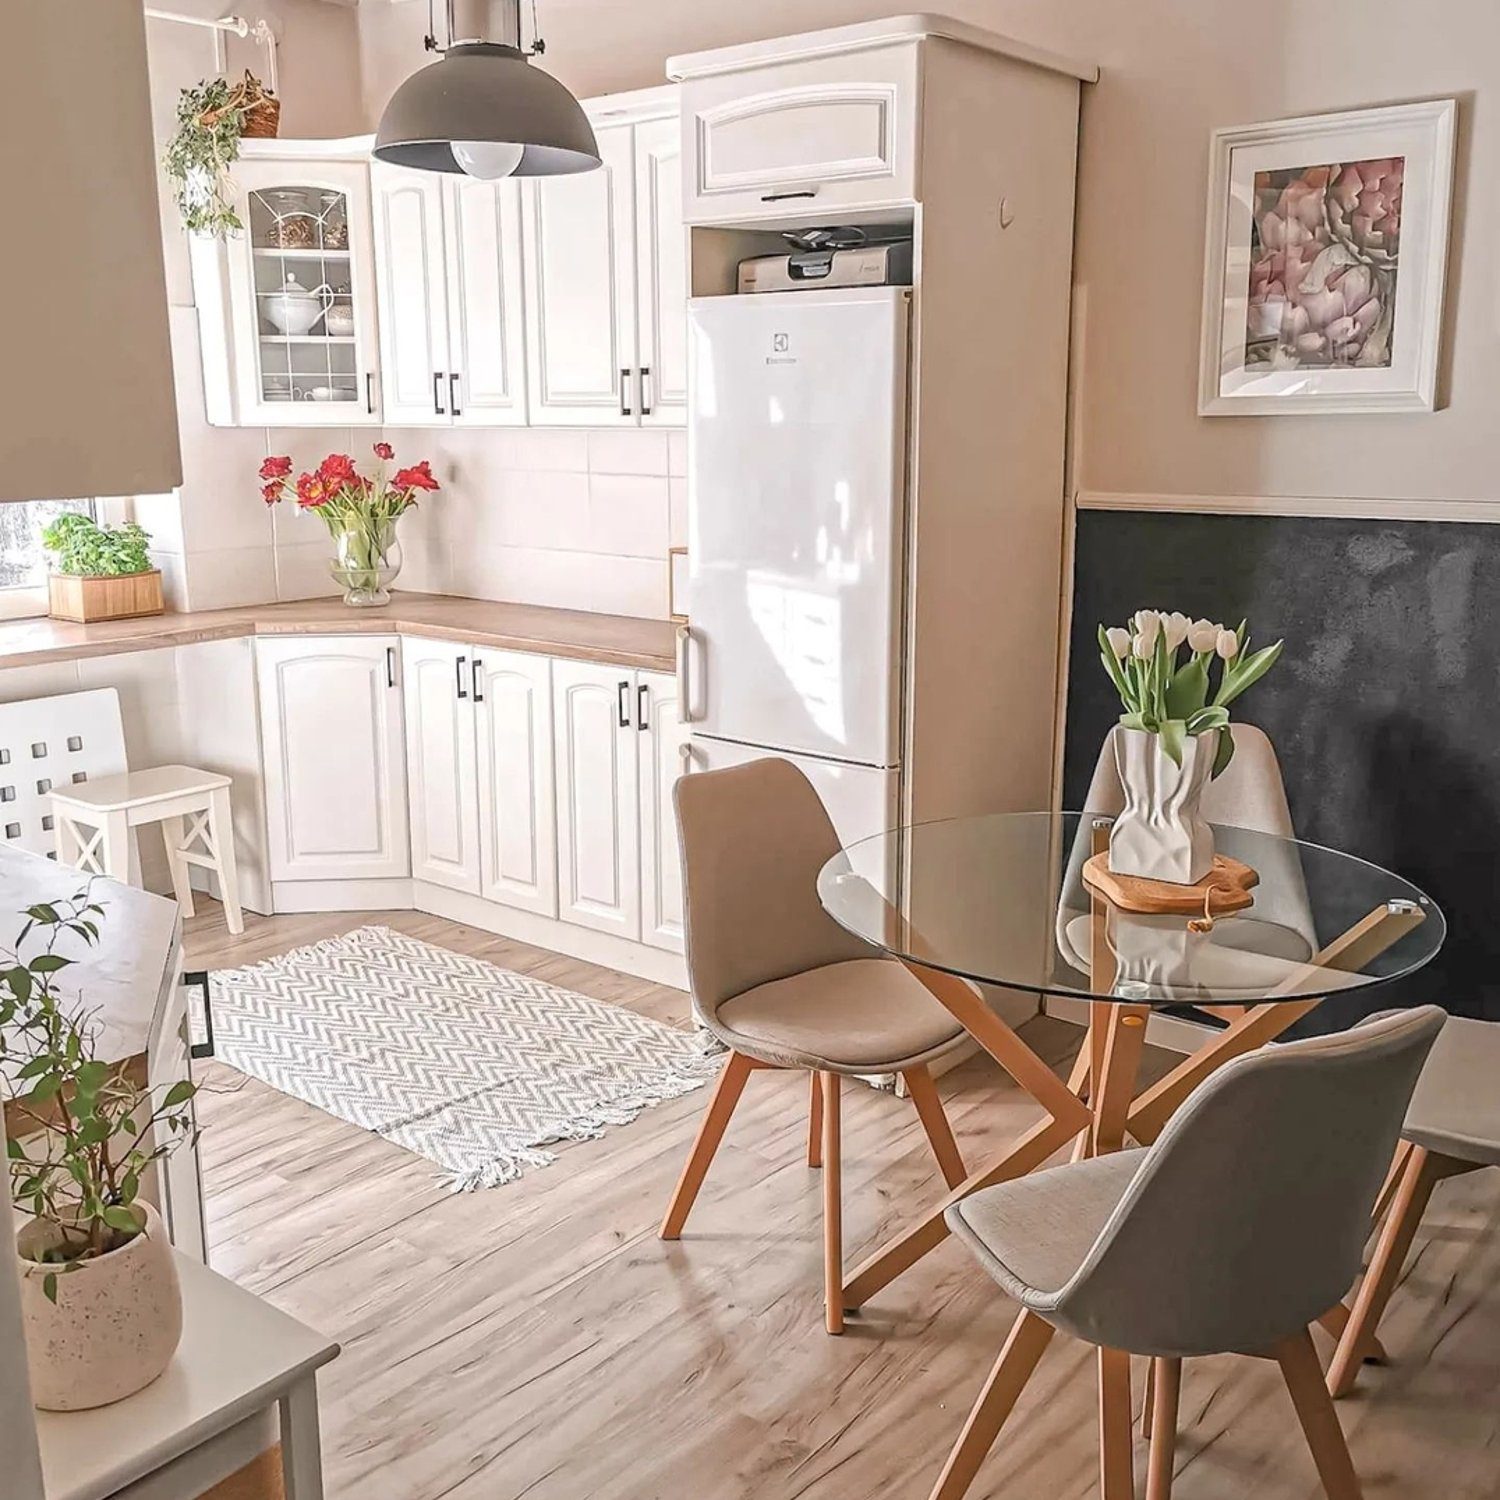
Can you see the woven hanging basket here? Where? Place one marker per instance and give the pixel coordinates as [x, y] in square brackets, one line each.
[262, 109]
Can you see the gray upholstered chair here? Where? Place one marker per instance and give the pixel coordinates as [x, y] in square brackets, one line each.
[1231, 1234]
[1452, 1127]
[782, 985]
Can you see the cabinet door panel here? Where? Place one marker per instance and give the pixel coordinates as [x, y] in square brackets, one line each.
[517, 809]
[335, 758]
[598, 869]
[661, 272]
[304, 256]
[411, 276]
[661, 739]
[487, 347]
[441, 789]
[579, 250]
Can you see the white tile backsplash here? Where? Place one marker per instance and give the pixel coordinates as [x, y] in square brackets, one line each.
[563, 580]
[677, 530]
[677, 454]
[229, 577]
[628, 515]
[628, 450]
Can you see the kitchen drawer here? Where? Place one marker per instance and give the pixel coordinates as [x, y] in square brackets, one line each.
[791, 139]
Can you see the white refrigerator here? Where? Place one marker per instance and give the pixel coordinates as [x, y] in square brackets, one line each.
[796, 540]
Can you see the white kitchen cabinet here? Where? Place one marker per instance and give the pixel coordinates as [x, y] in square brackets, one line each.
[662, 738]
[441, 776]
[517, 809]
[286, 308]
[799, 136]
[605, 268]
[448, 273]
[335, 757]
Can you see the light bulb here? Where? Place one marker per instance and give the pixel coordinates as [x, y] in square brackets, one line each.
[488, 159]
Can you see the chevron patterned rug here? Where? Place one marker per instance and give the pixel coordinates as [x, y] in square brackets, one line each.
[473, 1066]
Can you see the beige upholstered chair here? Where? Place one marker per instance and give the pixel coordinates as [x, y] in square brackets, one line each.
[782, 985]
[1231, 1234]
[1452, 1127]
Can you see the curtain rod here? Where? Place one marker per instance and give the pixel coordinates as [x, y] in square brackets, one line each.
[231, 25]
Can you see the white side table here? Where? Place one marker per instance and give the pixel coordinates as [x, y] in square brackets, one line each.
[240, 1359]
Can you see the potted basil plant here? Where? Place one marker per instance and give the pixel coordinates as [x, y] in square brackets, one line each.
[100, 572]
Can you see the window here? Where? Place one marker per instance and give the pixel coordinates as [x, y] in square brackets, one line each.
[23, 560]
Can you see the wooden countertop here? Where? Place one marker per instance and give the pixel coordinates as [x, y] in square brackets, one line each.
[616, 639]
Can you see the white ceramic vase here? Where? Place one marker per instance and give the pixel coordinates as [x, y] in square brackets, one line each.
[115, 1325]
[1161, 834]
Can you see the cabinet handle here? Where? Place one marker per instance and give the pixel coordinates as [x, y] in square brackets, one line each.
[645, 399]
[390, 666]
[625, 410]
[780, 197]
[642, 708]
[370, 392]
[458, 672]
[454, 410]
[476, 680]
[437, 394]
[622, 701]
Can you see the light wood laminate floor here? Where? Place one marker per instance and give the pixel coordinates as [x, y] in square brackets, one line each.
[538, 1340]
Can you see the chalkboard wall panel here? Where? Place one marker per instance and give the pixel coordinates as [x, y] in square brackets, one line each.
[1384, 709]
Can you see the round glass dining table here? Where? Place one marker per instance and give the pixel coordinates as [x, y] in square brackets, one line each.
[1002, 900]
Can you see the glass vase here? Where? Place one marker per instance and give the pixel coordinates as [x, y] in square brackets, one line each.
[366, 562]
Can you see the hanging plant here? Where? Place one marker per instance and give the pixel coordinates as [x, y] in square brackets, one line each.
[211, 118]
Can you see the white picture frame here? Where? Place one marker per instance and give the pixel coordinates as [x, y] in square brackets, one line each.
[1289, 367]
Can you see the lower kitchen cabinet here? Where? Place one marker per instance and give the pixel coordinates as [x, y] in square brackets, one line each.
[617, 739]
[520, 780]
[335, 758]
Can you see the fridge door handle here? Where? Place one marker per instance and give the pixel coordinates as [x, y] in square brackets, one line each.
[684, 686]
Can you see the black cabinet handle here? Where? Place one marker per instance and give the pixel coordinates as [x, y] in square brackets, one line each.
[370, 392]
[779, 197]
[454, 410]
[437, 394]
[623, 703]
[458, 671]
[390, 666]
[477, 680]
[625, 410]
[643, 708]
[645, 399]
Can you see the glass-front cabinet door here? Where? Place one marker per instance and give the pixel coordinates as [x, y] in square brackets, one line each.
[302, 290]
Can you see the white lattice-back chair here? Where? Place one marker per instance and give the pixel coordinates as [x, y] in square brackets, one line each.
[65, 791]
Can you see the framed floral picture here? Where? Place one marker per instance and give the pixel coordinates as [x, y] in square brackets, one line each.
[1326, 248]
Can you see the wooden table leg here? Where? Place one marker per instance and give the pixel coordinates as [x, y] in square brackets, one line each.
[1167, 1376]
[1116, 1449]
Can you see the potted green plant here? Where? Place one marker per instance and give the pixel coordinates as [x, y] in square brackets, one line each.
[212, 117]
[100, 1300]
[100, 572]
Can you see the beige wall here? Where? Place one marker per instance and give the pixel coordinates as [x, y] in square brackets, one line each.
[1173, 70]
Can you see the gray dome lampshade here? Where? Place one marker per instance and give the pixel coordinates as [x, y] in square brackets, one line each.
[485, 92]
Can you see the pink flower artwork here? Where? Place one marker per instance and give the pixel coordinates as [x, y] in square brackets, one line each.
[1324, 252]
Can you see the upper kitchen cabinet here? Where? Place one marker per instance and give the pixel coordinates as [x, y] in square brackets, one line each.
[448, 273]
[604, 255]
[823, 127]
[287, 307]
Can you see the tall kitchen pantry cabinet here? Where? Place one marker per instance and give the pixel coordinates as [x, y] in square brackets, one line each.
[966, 141]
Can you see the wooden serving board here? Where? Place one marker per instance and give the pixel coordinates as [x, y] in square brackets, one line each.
[1226, 888]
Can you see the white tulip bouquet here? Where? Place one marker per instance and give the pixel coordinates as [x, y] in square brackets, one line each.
[1171, 695]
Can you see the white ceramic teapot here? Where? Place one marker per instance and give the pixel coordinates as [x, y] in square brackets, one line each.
[294, 310]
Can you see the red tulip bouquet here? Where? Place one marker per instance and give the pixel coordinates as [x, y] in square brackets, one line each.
[360, 512]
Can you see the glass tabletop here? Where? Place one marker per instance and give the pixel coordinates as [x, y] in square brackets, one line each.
[1001, 899]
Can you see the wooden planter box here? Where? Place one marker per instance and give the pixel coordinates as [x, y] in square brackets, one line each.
[122, 597]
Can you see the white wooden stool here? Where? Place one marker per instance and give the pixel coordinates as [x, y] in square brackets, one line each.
[94, 819]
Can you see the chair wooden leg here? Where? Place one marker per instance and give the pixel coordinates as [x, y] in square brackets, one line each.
[833, 1208]
[1166, 1387]
[1407, 1207]
[934, 1120]
[1148, 1401]
[1116, 1444]
[726, 1095]
[815, 1121]
[1320, 1422]
[1028, 1339]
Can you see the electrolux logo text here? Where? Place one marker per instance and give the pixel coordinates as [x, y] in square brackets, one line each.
[781, 344]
